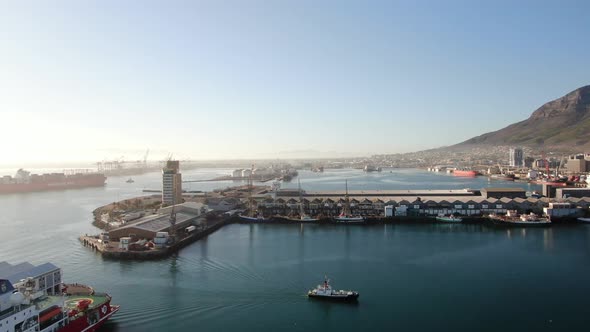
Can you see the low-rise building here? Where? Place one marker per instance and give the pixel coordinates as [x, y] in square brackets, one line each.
[561, 209]
[503, 192]
[572, 192]
[147, 227]
[44, 278]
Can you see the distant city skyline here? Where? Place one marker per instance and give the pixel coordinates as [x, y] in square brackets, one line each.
[93, 81]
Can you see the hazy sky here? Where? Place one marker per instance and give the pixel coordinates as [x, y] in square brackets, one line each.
[89, 80]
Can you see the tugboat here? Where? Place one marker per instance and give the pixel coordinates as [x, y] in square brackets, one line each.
[325, 292]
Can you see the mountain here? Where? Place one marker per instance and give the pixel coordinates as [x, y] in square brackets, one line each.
[561, 124]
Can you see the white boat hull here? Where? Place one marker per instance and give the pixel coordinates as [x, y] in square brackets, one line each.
[248, 218]
[349, 219]
[448, 219]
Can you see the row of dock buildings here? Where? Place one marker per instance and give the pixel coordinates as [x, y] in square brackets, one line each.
[418, 203]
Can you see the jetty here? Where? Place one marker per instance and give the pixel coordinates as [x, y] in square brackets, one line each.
[115, 249]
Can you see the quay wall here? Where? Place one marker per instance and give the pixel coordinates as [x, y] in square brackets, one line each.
[114, 253]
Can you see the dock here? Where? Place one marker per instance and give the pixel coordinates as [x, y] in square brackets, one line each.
[111, 250]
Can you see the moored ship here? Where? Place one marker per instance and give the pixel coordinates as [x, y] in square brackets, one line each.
[503, 177]
[449, 218]
[346, 214]
[32, 298]
[24, 181]
[465, 172]
[371, 168]
[512, 218]
[551, 182]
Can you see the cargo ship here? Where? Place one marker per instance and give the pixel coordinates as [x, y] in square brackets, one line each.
[24, 181]
[464, 172]
[32, 298]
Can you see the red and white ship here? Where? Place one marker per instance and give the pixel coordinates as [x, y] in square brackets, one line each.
[24, 181]
[32, 298]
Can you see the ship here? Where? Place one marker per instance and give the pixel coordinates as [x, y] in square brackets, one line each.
[318, 169]
[32, 298]
[504, 177]
[465, 172]
[325, 292]
[24, 181]
[551, 182]
[371, 168]
[512, 218]
[346, 214]
[449, 218]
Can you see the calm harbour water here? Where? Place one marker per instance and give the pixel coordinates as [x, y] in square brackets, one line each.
[254, 277]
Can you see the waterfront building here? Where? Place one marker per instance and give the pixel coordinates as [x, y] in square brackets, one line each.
[503, 192]
[414, 206]
[171, 183]
[43, 278]
[572, 192]
[148, 227]
[561, 209]
[516, 157]
[579, 163]
[222, 204]
[246, 173]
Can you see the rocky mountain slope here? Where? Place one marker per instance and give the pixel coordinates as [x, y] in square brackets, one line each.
[561, 124]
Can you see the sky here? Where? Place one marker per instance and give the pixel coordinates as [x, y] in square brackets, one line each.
[104, 80]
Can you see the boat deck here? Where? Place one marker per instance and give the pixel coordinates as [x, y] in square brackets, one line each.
[96, 300]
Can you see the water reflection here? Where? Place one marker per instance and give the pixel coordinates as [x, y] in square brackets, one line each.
[548, 239]
[174, 270]
[174, 263]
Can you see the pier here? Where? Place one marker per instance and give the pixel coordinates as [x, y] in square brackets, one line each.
[112, 250]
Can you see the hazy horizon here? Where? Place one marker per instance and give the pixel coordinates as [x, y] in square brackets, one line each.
[209, 80]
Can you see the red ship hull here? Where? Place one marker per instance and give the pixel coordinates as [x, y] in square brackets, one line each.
[464, 173]
[84, 324]
[70, 182]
